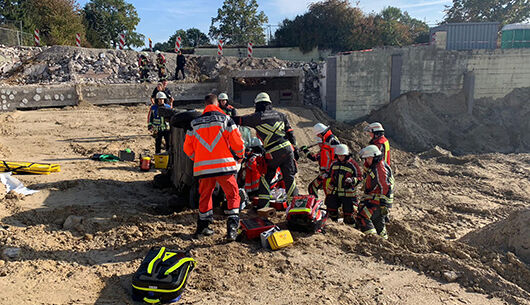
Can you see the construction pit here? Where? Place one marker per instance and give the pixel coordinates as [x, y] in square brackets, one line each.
[458, 233]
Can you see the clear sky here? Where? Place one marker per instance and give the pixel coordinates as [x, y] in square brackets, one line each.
[161, 18]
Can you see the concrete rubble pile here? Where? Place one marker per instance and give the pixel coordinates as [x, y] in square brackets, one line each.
[63, 64]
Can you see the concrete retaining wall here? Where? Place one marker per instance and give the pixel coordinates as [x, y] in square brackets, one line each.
[292, 54]
[35, 96]
[363, 79]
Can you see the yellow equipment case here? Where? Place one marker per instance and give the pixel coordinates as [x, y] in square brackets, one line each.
[280, 239]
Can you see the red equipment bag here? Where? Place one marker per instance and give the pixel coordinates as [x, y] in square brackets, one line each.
[252, 228]
[306, 214]
[279, 205]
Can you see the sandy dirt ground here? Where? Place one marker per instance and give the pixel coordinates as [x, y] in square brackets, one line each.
[445, 207]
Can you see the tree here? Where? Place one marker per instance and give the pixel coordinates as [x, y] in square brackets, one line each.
[351, 29]
[57, 20]
[503, 11]
[189, 38]
[106, 19]
[238, 22]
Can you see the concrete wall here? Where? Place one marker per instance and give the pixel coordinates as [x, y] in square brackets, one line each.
[292, 54]
[35, 96]
[363, 78]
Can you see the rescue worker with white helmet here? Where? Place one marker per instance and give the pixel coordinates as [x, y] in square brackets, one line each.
[378, 193]
[344, 174]
[274, 130]
[225, 106]
[157, 123]
[377, 133]
[325, 156]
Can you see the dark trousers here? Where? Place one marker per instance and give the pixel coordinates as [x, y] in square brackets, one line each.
[284, 159]
[177, 72]
[144, 74]
[158, 140]
[349, 205]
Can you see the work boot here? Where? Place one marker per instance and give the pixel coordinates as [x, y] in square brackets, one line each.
[203, 228]
[232, 225]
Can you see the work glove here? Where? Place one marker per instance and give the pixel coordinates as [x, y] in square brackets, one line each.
[296, 154]
[384, 211]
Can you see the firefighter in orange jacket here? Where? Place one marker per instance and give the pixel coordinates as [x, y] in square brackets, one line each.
[210, 143]
[345, 174]
[377, 133]
[325, 157]
[378, 193]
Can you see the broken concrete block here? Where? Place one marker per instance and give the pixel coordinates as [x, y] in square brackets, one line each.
[72, 221]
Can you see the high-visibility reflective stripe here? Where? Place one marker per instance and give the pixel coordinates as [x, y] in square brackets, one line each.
[206, 215]
[367, 212]
[226, 169]
[291, 190]
[232, 212]
[180, 263]
[298, 210]
[214, 161]
[370, 231]
[153, 261]
[205, 144]
[278, 147]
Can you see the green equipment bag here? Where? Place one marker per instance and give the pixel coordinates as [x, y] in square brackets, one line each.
[162, 276]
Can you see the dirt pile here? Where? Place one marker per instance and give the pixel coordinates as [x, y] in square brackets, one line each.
[85, 232]
[63, 64]
[511, 234]
[419, 121]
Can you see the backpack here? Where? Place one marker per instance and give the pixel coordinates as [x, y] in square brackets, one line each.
[306, 214]
[162, 276]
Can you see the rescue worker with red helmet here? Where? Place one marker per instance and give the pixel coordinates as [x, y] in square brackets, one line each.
[345, 174]
[377, 133]
[378, 193]
[325, 156]
[274, 130]
[212, 143]
[224, 104]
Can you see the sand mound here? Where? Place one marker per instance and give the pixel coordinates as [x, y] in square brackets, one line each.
[511, 234]
[419, 121]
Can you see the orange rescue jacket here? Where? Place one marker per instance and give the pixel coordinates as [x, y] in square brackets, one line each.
[210, 143]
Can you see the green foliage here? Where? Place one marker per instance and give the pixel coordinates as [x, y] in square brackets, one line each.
[106, 19]
[351, 29]
[189, 38]
[503, 11]
[57, 20]
[239, 22]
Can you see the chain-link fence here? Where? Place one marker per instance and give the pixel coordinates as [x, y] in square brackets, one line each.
[10, 36]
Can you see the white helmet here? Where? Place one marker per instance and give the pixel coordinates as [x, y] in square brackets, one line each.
[374, 127]
[319, 140]
[320, 128]
[161, 95]
[223, 96]
[342, 150]
[157, 52]
[262, 97]
[369, 151]
[256, 142]
[144, 54]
